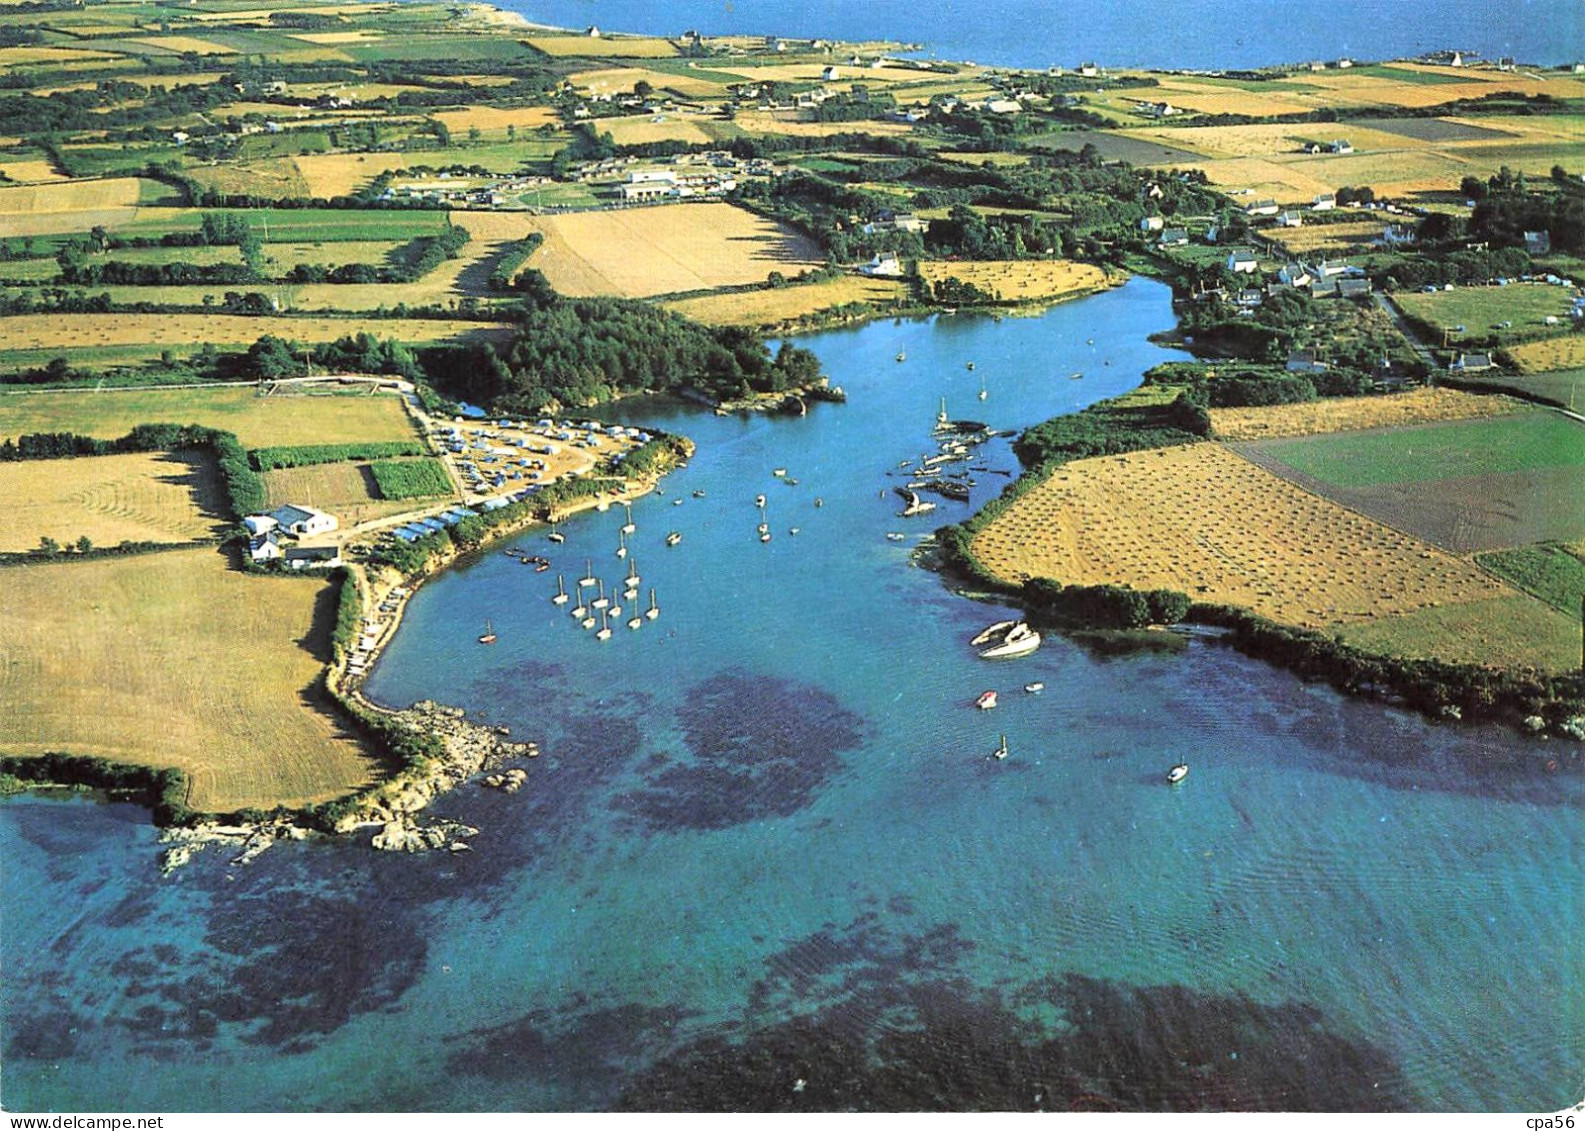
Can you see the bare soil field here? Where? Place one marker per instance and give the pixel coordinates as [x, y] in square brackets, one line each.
[137, 497]
[78, 331]
[1157, 148]
[786, 304]
[1431, 129]
[639, 252]
[620, 80]
[345, 489]
[1021, 280]
[258, 421]
[1344, 414]
[1200, 519]
[172, 659]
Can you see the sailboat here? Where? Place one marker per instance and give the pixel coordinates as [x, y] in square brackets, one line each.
[561, 592]
[615, 610]
[556, 536]
[605, 628]
[942, 419]
[654, 610]
[588, 575]
[984, 392]
[601, 600]
[632, 574]
[588, 621]
[628, 527]
[636, 620]
[673, 538]
[621, 550]
[580, 609]
[489, 634]
[1001, 751]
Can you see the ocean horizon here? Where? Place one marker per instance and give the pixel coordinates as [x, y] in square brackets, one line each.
[1181, 35]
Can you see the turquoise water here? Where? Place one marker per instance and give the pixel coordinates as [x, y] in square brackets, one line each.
[764, 843]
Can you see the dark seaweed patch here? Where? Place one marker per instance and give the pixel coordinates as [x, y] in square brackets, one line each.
[758, 747]
[896, 1030]
[49, 1034]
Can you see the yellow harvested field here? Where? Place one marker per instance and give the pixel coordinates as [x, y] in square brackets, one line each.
[1200, 519]
[661, 127]
[639, 252]
[346, 490]
[258, 421]
[603, 47]
[770, 122]
[341, 174]
[186, 44]
[1230, 100]
[1566, 352]
[495, 118]
[1021, 280]
[137, 497]
[1345, 414]
[620, 80]
[68, 206]
[1321, 237]
[30, 171]
[82, 331]
[51, 56]
[1283, 182]
[1274, 140]
[773, 308]
[173, 659]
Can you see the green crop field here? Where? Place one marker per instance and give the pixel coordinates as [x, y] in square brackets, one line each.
[1482, 310]
[298, 225]
[1523, 442]
[411, 479]
[1515, 631]
[258, 421]
[1548, 572]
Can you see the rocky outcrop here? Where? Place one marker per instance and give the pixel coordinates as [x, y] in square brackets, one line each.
[466, 749]
[406, 835]
[248, 841]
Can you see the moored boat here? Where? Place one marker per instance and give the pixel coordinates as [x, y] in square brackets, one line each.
[1034, 688]
[1001, 751]
[673, 538]
[489, 634]
[588, 575]
[561, 592]
[605, 628]
[1016, 643]
[986, 701]
[654, 610]
[1177, 773]
[995, 632]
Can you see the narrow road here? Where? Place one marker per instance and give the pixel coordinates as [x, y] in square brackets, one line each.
[1419, 347]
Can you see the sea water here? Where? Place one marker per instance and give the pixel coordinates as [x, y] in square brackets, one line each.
[767, 861]
[1180, 34]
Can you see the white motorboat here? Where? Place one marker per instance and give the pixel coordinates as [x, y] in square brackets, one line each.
[759, 501]
[986, 701]
[994, 632]
[779, 472]
[673, 538]
[1020, 640]
[556, 536]
[1177, 773]
[561, 592]
[1034, 688]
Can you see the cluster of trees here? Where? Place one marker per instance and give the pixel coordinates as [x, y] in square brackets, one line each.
[973, 235]
[271, 358]
[504, 276]
[1243, 386]
[1103, 606]
[1109, 428]
[406, 264]
[1506, 208]
[585, 351]
[855, 106]
[960, 292]
[1466, 265]
[163, 791]
[80, 270]
[1268, 334]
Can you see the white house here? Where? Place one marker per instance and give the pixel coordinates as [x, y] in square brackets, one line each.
[1324, 202]
[1290, 220]
[828, 74]
[1152, 224]
[885, 265]
[1341, 145]
[1261, 208]
[1294, 275]
[260, 523]
[265, 547]
[1089, 70]
[1003, 106]
[1242, 262]
[1174, 237]
[303, 521]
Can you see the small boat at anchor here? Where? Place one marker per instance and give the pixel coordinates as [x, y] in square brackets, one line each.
[1001, 751]
[632, 579]
[901, 356]
[636, 620]
[986, 701]
[602, 600]
[580, 610]
[605, 628]
[1177, 773]
[673, 538]
[489, 634]
[896, 536]
[778, 472]
[1019, 640]
[561, 592]
[654, 610]
[628, 527]
[1034, 688]
[621, 549]
[588, 575]
[994, 632]
[759, 500]
[557, 537]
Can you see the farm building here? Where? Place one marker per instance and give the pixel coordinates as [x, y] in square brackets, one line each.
[258, 524]
[1290, 220]
[1305, 362]
[265, 547]
[303, 521]
[1472, 363]
[1325, 202]
[1152, 224]
[1261, 208]
[883, 265]
[1174, 237]
[1341, 145]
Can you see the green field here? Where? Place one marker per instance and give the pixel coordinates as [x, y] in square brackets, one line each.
[1512, 631]
[258, 421]
[411, 479]
[1548, 572]
[1482, 310]
[302, 225]
[1524, 442]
